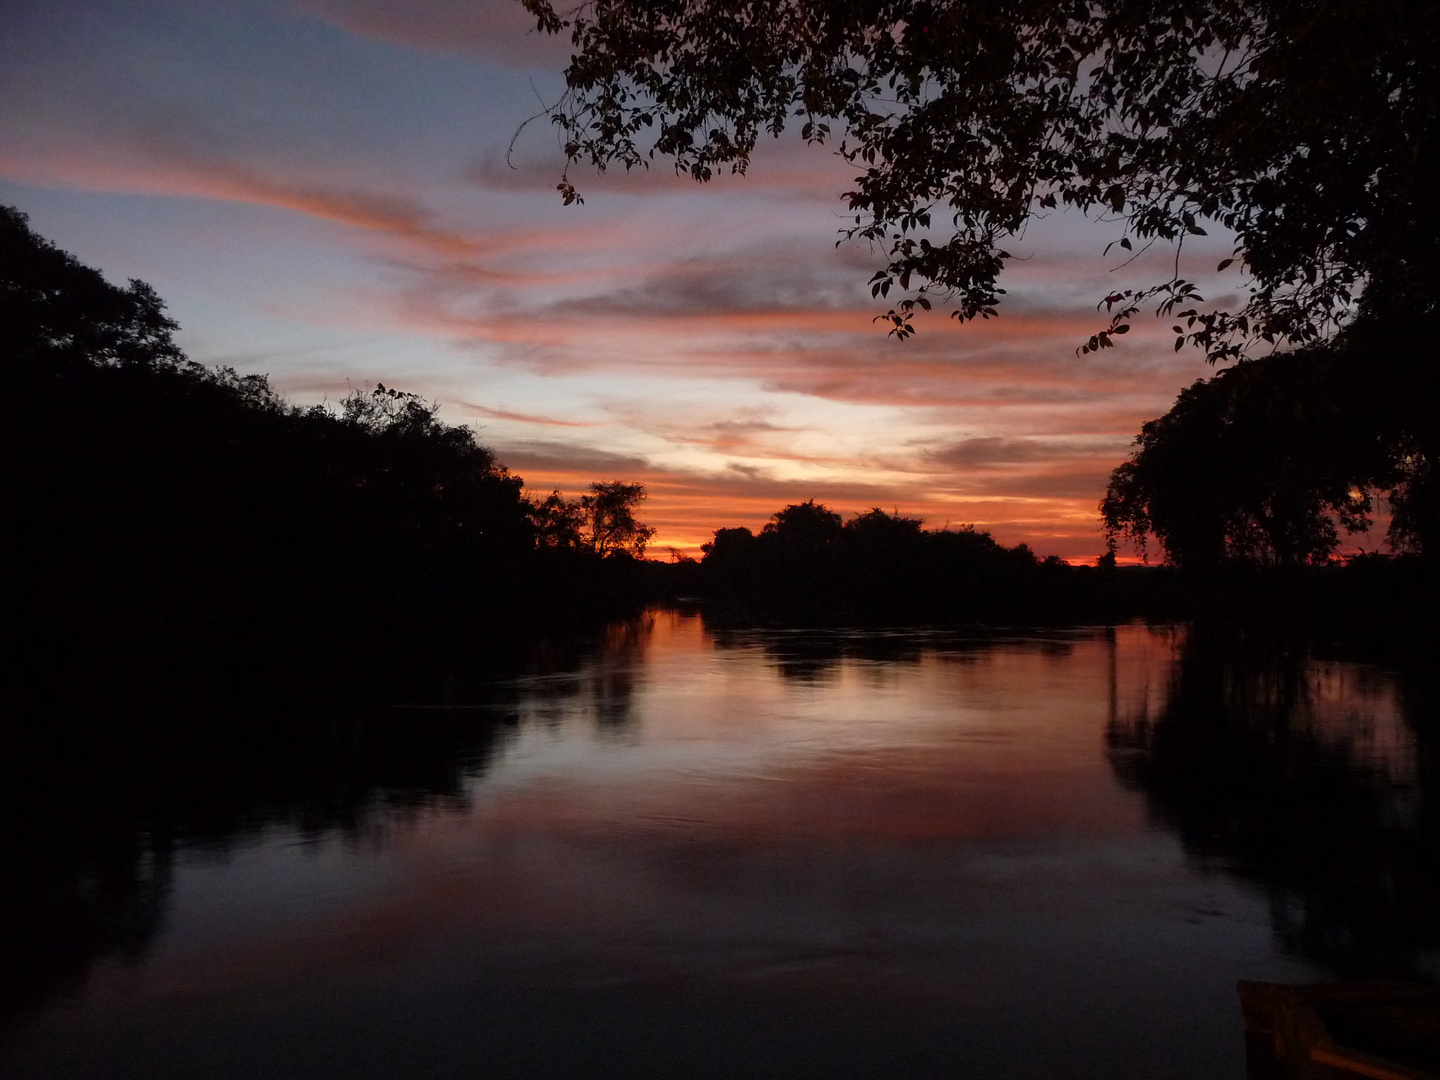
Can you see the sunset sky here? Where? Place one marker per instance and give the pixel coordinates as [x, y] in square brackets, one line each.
[320, 190]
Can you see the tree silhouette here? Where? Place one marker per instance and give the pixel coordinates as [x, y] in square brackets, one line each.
[875, 529]
[810, 564]
[1260, 462]
[559, 522]
[1270, 460]
[609, 510]
[1306, 129]
[807, 528]
[53, 307]
[602, 522]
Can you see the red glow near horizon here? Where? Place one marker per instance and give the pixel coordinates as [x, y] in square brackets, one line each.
[687, 511]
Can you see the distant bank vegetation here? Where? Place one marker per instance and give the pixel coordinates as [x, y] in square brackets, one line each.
[885, 566]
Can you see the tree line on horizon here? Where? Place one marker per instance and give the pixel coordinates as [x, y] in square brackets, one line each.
[807, 560]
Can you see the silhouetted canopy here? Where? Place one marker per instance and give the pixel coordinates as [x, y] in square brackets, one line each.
[52, 305]
[1304, 127]
[1272, 459]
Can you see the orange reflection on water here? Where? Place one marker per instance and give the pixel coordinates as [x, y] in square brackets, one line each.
[862, 836]
[683, 776]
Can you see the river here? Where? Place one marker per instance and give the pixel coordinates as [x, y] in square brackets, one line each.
[691, 850]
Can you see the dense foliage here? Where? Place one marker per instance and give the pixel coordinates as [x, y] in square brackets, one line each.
[164, 519]
[1271, 460]
[603, 521]
[1305, 128]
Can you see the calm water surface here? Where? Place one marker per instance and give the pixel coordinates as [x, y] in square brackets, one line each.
[747, 853]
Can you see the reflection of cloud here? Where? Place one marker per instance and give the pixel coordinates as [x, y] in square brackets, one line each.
[768, 847]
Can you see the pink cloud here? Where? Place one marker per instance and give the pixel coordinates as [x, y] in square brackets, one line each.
[468, 259]
[498, 31]
[524, 418]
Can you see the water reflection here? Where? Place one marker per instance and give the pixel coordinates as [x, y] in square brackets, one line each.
[816, 655]
[96, 808]
[717, 850]
[1316, 780]
[92, 833]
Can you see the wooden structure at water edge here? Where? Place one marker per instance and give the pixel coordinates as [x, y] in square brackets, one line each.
[1338, 1031]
